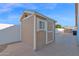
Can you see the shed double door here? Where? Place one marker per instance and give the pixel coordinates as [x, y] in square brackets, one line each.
[50, 32]
[41, 33]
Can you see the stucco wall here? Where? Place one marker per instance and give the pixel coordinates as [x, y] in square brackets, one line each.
[27, 31]
[9, 35]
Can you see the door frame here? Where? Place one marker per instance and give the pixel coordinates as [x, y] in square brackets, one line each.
[53, 38]
[45, 29]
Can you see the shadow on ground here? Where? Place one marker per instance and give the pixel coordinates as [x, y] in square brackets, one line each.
[2, 48]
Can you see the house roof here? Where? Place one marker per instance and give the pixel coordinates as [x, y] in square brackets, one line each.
[37, 13]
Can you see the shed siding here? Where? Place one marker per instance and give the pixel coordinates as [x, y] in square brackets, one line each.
[28, 31]
[40, 37]
[53, 29]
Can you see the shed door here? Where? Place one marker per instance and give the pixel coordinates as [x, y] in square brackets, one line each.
[41, 33]
[50, 32]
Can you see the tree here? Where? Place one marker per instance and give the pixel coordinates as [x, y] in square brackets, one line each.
[58, 26]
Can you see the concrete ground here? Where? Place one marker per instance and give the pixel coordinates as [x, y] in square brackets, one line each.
[65, 45]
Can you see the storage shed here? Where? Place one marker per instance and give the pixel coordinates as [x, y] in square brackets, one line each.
[37, 30]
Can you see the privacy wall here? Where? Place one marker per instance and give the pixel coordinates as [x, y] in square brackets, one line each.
[9, 35]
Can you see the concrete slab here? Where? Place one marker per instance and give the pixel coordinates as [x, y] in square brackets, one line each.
[65, 45]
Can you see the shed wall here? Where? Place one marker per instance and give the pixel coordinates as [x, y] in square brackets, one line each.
[27, 27]
[40, 36]
[51, 30]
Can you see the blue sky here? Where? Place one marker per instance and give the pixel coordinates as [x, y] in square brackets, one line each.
[63, 13]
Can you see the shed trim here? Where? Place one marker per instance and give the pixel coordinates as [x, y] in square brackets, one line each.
[34, 44]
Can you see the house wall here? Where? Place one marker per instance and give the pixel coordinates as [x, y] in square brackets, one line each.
[76, 14]
[10, 35]
[78, 23]
[27, 31]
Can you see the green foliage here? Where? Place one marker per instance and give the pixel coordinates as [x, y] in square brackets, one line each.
[58, 26]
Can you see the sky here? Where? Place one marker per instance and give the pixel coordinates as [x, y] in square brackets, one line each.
[63, 13]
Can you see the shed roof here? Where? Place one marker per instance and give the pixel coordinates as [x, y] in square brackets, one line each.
[37, 13]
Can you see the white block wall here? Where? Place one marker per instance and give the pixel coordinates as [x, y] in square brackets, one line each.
[9, 35]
